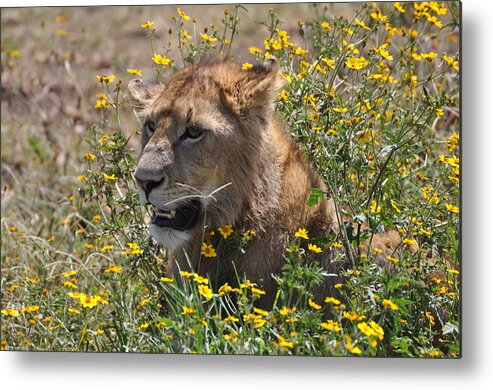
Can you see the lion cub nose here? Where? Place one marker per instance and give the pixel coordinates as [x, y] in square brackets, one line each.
[148, 179]
[148, 185]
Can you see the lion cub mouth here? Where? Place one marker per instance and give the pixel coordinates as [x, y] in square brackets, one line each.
[184, 217]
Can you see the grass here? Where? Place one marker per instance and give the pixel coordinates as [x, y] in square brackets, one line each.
[371, 95]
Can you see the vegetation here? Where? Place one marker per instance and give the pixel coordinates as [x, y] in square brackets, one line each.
[371, 98]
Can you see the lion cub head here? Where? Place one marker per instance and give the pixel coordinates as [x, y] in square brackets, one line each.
[201, 143]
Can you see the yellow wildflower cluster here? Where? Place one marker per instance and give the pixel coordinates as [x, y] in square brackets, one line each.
[113, 268]
[426, 9]
[132, 249]
[87, 301]
[102, 102]
[106, 79]
[372, 330]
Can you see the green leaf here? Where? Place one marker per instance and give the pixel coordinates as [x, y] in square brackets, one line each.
[316, 196]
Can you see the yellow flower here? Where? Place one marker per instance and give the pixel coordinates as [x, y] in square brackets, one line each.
[399, 7]
[409, 241]
[300, 52]
[106, 248]
[133, 249]
[161, 59]
[208, 250]
[208, 38]
[246, 66]
[328, 62]
[451, 62]
[143, 326]
[165, 279]
[200, 279]
[15, 53]
[313, 305]
[429, 56]
[69, 284]
[452, 142]
[106, 79]
[361, 24]
[350, 347]
[255, 51]
[394, 206]
[249, 234]
[332, 300]
[187, 274]
[326, 26]
[451, 208]
[453, 271]
[425, 232]
[147, 25]
[257, 291]
[135, 72]
[283, 96]
[10, 312]
[226, 231]
[188, 310]
[302, 233]
[373, 329]
[260, 312]
[331, 326]
[88, 301]
[231, 319]
[72, 310]
[353, 316]
[283, 343]
[109, 177]
[434, 20]
[205, 291]
[89, 156]
[185, 35]
[182, 14]
[377, 15]
[337, 245]
[101, 104]
[374, 207]
[393, 259]
[356, 63]
[388, 304]
[225, 288]
[430, 317]
[383, 52]
[286, 311]
[117, 269]
[314, 248]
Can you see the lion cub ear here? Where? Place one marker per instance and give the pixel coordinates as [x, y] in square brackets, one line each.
[259, 86]
[144, 92]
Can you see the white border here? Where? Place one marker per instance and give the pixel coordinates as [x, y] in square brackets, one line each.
[473, 371]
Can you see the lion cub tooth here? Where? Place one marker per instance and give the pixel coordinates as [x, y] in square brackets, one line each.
[172, 213]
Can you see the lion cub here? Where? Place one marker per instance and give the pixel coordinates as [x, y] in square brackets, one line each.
[214, 153]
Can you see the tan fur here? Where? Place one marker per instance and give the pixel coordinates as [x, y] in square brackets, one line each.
[248, 149]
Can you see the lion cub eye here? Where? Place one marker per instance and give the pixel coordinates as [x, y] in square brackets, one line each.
[149, 127]
[192, 133]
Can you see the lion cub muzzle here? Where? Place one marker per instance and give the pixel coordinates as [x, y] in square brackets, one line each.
[168, 210]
